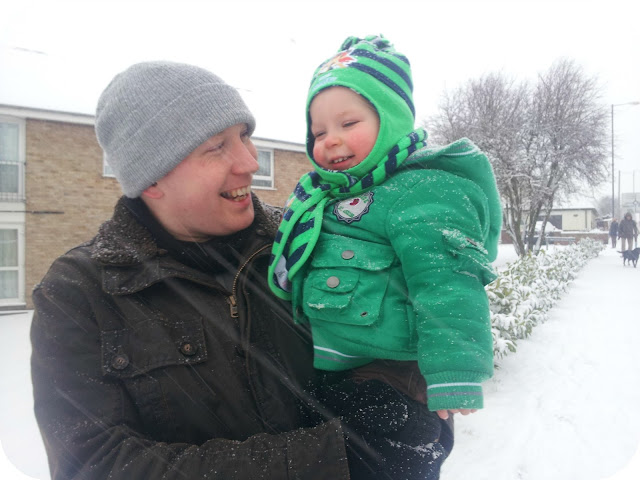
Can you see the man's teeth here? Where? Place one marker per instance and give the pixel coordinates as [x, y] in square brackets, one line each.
[237, 194]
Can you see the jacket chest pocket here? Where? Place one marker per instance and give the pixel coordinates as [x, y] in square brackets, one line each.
[139, 355]
[347, 281]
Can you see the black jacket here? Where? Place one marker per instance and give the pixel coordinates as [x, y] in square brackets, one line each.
[144, 367]
[627, 228]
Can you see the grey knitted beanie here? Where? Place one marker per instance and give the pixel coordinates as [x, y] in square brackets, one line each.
[154, 114]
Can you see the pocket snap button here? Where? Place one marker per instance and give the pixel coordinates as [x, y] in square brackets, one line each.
[348, 254]
[188, 349]
[120, 361]
[333, 282]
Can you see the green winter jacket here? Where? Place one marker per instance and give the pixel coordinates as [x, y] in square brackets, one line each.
[399, 271]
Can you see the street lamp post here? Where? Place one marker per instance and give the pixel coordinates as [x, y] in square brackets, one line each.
[613, 173]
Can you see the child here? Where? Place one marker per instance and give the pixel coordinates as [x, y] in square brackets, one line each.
[386, 246]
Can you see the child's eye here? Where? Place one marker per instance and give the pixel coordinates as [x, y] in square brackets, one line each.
[318, 134]
[350, 123]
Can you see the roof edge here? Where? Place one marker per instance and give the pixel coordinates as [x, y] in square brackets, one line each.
[42, 114]
[85, 119]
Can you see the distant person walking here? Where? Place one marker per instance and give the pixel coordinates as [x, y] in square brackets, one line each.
[613, 232]
[627, 231]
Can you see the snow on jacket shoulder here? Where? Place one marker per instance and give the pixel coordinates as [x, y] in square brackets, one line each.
[140, 370]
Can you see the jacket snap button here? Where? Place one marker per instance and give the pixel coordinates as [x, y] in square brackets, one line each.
[348, 254]
[333, 282]
[120, 362]
[188, 349]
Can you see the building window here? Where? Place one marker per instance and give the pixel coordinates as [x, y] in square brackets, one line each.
[9, 265]
[107, 171]
[556, 221]
[11, 159]
[264, 176]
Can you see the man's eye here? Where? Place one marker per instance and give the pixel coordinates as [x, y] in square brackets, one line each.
[217, 147]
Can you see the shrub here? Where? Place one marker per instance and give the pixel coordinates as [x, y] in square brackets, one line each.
[526, 289]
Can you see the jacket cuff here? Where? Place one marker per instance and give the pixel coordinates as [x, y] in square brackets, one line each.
[460, 392]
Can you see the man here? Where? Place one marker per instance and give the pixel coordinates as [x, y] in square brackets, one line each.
[158, 351]
[627, 231]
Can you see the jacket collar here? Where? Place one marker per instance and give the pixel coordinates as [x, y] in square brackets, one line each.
[132, 259]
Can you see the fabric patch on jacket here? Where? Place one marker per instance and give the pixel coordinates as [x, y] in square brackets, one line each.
[354, 208]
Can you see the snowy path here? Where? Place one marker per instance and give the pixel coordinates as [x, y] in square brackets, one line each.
[19, 434]
[566, 405]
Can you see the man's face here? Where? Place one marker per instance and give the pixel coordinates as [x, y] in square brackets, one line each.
[209, 193]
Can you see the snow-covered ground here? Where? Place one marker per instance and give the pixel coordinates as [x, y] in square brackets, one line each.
[565, 406]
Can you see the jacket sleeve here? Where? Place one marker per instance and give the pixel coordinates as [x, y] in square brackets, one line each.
[437, 229]
[90, 428]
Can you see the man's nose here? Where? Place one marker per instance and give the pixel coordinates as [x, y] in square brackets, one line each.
[245, 161]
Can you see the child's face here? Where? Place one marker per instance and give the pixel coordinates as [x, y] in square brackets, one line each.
[345, 127]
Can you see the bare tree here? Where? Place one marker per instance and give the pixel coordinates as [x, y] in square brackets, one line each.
[571, 132]
[603, 204]
[543, 141]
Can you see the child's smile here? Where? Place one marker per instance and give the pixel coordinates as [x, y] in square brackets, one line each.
[344, 127]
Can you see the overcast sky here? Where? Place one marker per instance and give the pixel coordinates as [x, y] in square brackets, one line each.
[59, 55]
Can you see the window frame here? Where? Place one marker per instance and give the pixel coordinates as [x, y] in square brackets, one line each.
[267, 178]
[107, 171]
[18, 196]
[20, 268]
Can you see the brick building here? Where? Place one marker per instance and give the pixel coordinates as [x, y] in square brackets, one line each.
[56, 190]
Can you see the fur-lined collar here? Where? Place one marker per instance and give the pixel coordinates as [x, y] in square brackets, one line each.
[122, 240]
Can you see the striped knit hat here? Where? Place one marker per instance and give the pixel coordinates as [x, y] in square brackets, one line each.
[374, 69]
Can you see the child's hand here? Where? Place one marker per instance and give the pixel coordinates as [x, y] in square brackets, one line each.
[444, 414]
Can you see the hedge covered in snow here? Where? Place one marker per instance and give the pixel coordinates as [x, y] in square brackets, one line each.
[521, 297]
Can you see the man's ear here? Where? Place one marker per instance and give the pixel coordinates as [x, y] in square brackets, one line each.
[153, 192]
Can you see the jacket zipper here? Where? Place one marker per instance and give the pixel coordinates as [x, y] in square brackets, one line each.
[233, 304]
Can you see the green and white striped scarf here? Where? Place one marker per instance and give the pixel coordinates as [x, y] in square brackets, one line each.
[302, 220]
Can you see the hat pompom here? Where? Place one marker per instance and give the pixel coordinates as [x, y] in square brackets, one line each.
[378, 41]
